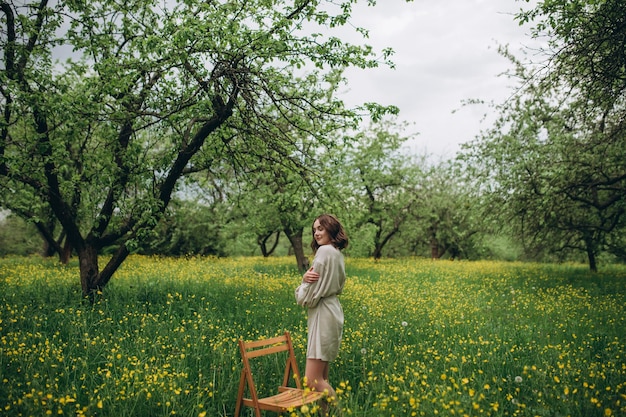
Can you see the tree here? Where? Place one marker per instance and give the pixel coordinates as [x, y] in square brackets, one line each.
[188, 227]
[555, 162]
[150, 92]
[16, 236]
[274, 201]
[47, 225]
[446, 214]
[384, 183]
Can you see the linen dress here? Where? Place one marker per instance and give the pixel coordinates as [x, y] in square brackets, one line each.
[325, 315]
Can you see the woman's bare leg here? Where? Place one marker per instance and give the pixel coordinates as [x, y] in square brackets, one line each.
[325, 373]
[317, 378]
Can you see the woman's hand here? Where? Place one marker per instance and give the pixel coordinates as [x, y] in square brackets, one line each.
[310, 276]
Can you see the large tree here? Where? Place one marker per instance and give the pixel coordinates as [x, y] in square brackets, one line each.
[446, 220]
[383, 180]
[277, 200]
[555, 163]
[107, 104]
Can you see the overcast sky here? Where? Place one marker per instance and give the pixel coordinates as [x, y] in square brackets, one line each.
[445, 53]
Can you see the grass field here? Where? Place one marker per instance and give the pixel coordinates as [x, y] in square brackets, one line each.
[422, 338]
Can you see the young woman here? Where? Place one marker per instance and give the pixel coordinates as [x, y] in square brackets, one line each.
[319, 289]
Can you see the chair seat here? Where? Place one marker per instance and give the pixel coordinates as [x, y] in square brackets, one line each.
[289, 398]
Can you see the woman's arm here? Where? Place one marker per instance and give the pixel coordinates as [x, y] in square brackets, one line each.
[310, 276]
[315, 281]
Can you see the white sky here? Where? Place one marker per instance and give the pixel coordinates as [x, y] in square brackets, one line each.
[445, 53]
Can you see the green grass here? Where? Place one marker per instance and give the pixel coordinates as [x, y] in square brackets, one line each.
[421, 338]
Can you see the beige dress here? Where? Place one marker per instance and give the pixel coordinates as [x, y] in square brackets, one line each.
[325, 315]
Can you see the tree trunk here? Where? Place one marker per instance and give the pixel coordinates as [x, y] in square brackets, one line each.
[50, 245]
[295, 237]
[591, 254]
[91, 279]
[379, 242]
[262, 241]
[378, 247]
[88, 265]
[66, 252]
[434, 248]
[48, 249]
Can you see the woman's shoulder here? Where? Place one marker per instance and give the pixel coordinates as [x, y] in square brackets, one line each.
[328, 250]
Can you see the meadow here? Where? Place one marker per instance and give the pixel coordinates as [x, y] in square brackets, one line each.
[421, 338]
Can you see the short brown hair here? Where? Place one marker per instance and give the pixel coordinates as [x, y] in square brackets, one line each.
[337, 234]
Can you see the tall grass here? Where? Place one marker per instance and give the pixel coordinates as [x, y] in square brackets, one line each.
[422, 338]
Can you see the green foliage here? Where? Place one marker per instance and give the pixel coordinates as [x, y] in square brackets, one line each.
[554, 164]
[107, 104]
[18, 237]
[279, 199]
[403, 204]
[501, 248]
[379, 184]
[362, 240]
[448, 215]
[587, 37]
[188, 228]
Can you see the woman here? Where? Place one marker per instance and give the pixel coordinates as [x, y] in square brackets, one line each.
[318, 292]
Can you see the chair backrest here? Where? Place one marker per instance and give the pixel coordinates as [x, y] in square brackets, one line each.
[274, 345]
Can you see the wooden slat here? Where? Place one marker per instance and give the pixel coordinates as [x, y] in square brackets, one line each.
[264, 342]
[267, 351]
[286, 399]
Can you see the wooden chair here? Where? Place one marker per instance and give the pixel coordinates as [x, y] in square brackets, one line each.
[287, 397]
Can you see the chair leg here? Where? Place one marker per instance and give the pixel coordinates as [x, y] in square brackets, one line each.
[240, 393]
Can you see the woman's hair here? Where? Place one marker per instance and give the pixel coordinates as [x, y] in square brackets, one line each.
[338, 237]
